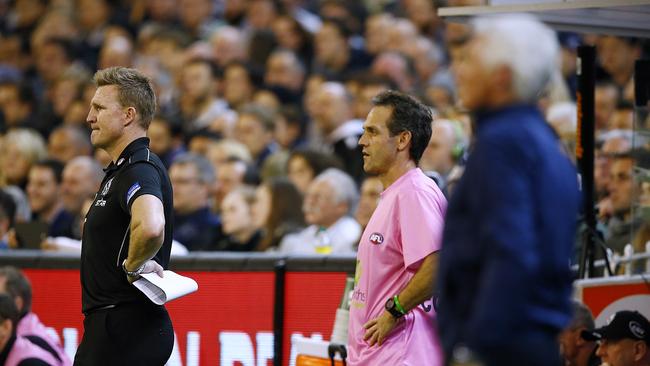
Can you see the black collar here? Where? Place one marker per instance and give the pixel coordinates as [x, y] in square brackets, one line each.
[130, 149]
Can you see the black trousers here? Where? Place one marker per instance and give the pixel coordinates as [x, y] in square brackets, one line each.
[130, 334]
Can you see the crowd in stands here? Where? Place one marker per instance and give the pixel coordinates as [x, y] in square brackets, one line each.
[260, 108]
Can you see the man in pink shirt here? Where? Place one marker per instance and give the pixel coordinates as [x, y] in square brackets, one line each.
[391, 313]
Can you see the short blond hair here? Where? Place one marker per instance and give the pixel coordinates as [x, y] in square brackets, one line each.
[133, 90]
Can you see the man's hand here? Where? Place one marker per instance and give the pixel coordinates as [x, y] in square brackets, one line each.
[149, 266]
[377, 329]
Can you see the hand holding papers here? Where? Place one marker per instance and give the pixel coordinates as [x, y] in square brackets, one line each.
[167, 288]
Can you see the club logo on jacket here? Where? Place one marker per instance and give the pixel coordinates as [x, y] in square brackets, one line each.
[376, 238]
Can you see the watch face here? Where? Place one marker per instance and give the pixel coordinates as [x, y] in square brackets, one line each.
[390, 304]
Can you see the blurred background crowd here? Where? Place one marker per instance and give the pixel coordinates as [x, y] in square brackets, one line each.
[260, 107]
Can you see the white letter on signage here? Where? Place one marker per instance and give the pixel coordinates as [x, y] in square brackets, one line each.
[236, 346]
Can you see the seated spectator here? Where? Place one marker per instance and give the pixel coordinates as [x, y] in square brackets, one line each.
[16, 350]
[329, 202]
[289, 128]
[199, 142]
[18, 106]
[165, 140]
[446, 148]
[194, 225]
[199, 103]
[67, 142]
[20, 149]
[7, 217]
[44, 193]
[255, 130]
[624, 341]
[371, 189]
[230, 176]
[334, 116]
[238, 84]
[277, 210]
[305, 164]
[575, 350]
[622, 188]
[236, 213]
[14, 283]
[81, 179]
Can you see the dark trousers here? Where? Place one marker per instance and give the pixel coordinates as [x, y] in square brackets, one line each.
[130, 334]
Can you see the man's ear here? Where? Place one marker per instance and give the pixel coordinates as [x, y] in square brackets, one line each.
[404, 140]
[130, 115]
[641, 351]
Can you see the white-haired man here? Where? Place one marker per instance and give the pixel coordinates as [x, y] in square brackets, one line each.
[329, 202]
[504, 281]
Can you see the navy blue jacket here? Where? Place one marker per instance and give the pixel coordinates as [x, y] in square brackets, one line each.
[509, 236]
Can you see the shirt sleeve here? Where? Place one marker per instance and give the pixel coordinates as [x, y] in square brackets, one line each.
[136, 180]
[421, 216]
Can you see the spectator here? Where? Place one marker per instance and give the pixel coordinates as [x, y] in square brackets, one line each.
[44, 193]
[371, 190]
[230, 176]
[624, 341]
[333, 55]
[14, 283]
[277, 210]
[305, 164]
[606, 96]
[199, 103]
[622, 188]
[613, 144]
[285, 70]
[291, 35]
[288, 131]
[446, 148]
[228, 46]
[243, 235]
[255, 130]
[68, 142]
[194, 225]
[238, 84]
[575, 350]
[81, 179]
[334, 116]
[166, 141]
[15, 350]
[195, 17]
[330, 200]
[21, 148]
[617, 56]
[18, 106]
[7, 217]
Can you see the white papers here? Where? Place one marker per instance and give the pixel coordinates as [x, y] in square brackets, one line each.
[163, 289]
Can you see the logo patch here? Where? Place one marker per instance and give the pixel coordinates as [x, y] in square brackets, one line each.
[107, 186]
[134, 188]
[637, 330]
[376, 238]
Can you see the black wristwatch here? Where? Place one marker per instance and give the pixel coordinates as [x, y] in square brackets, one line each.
[392, 308]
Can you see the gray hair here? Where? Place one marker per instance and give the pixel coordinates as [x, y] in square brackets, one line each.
[94, 169]
[581, 316]
[202, 165]
[133, 90]
[345, 190]
[523, 44]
